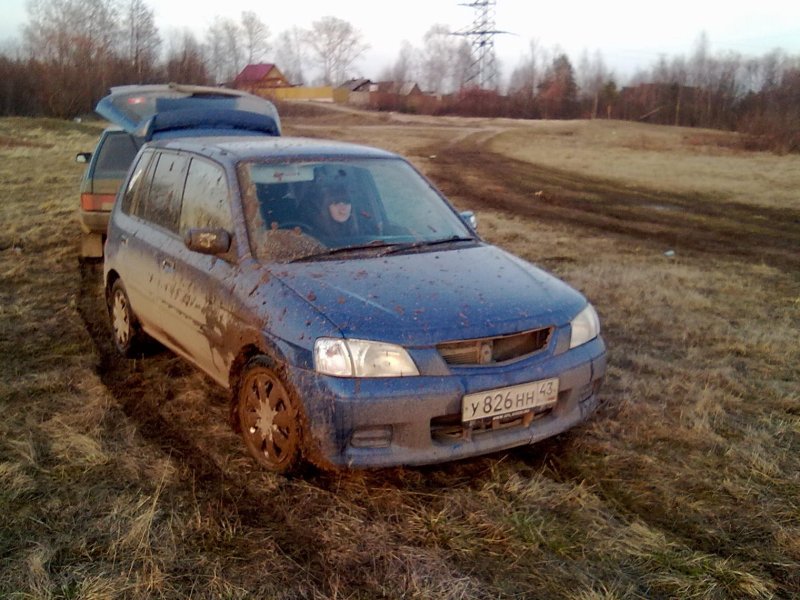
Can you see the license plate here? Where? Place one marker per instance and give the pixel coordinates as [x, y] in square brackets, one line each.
[517, 399]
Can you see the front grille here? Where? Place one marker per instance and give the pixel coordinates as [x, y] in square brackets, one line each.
[449, 428]
[488, 351]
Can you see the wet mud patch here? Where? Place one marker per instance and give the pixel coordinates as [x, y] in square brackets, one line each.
[693, 223]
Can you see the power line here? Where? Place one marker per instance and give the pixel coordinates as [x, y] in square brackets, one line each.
[483, 68]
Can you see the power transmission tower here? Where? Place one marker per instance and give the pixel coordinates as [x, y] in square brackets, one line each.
[483, 68]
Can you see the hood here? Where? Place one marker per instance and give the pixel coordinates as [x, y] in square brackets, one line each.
[149, 111]
[430, 297]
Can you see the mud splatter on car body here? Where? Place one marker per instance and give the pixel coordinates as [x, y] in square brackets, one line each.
[400, 338]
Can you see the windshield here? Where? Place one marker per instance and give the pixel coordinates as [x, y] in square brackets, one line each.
[317, 209]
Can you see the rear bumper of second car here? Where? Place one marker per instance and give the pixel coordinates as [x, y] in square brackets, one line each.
[416, 420]
[94, 221]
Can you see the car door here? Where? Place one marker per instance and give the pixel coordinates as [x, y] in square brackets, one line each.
[130, 253]
[202, 305]
[150, 256]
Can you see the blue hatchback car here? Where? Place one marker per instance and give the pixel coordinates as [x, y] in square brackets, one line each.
[357, 318]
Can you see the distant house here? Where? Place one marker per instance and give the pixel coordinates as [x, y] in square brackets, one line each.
[391, 95]
[400, 88]
[263, 76]
[356, 85]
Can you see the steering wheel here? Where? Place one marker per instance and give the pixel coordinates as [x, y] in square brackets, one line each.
[303, 227]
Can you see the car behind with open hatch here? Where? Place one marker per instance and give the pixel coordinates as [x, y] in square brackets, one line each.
[141, 113]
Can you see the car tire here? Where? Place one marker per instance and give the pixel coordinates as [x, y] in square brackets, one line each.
[270, 417]
[125, 329]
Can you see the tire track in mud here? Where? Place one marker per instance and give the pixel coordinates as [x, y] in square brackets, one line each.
[469, 170]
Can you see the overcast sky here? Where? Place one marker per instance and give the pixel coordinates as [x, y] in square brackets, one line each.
[626, 32]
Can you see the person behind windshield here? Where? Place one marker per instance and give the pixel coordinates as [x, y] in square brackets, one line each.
[336, 220]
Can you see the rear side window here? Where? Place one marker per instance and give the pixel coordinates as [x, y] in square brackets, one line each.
[205, 198]
[115, 155]
[162, 205]
[136, 183]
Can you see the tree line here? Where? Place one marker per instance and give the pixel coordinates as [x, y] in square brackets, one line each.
[757, 96]
[72, 51]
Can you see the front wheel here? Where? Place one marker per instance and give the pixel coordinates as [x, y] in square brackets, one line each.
[269, 417]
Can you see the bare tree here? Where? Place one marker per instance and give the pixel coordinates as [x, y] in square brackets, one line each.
[335, 45]
[215, 52]
[699, 64]
[592, 77]
[184, 59]
[234, 49]
[290, 55]
[526, 75]
[143, 40]
[404, 67]
[435, 66]
[446, 60]
[58, 29]
[225, 49]
[256, 37]
[75, 44]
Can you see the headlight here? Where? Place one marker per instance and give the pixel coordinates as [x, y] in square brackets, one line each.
[585, 327]
[361, 358]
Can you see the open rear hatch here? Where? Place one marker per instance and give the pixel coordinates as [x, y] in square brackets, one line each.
[172, 110]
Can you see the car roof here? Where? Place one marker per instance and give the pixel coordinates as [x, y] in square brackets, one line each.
[236, 149]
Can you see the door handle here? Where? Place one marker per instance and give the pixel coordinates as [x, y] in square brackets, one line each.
[167, 265]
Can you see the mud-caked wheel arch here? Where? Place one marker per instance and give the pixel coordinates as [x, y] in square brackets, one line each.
[270, 417]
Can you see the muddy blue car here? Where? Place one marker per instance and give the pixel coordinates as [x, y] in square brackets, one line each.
[357, 318]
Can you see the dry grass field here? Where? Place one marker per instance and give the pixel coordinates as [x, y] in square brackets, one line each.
[121, 478]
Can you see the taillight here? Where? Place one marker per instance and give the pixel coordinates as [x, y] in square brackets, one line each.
[97, 201]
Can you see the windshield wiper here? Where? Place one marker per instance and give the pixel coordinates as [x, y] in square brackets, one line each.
[385, 247]
[375, 244]
[394, 248]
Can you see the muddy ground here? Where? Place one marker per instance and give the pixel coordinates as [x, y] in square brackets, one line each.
[122, 478]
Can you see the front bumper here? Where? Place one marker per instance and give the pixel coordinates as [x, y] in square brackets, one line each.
[416, 420]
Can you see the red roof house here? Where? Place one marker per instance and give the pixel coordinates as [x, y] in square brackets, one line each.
[259, 76]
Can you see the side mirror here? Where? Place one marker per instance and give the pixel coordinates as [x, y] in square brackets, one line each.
[470, 219]
[83, 157]
[207, 240]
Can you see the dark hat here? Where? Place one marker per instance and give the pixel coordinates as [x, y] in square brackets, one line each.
[336, 193]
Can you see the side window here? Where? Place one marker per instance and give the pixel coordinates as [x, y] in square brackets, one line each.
[163, 204]
[205, 198]
[136, 183]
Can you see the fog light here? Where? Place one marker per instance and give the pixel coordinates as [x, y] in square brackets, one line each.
[372, 437]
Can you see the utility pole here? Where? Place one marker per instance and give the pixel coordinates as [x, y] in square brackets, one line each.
[483, 68]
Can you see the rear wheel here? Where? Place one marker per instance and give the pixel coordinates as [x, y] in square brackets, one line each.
[128, 336]
[269, 417]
